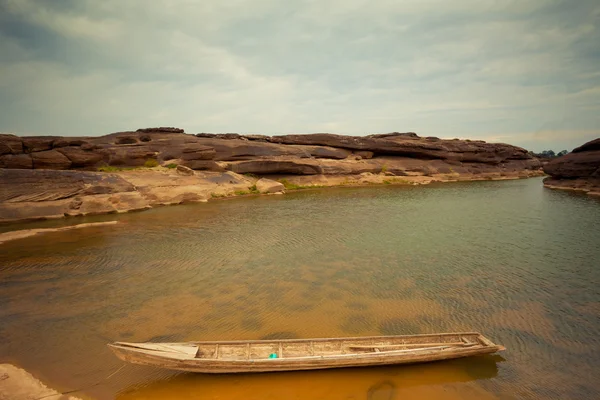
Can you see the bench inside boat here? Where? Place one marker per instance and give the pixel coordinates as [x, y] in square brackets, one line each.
[252, 350]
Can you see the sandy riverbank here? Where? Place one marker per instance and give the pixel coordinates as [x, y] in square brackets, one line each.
[18, 384]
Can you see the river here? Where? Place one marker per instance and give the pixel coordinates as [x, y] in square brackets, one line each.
[511, 259]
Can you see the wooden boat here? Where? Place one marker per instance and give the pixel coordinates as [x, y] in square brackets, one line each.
[304, 354]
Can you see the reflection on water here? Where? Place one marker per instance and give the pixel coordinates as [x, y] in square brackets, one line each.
[370, 383]
[510, 259]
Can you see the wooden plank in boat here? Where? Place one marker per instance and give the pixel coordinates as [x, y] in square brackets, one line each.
[361, 347]
[167, 347]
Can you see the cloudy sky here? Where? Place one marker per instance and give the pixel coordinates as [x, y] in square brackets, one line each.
[524, 72]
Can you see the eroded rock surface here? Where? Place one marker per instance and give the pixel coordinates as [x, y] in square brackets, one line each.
[43, 194]
[578, 170]
[49, 176]
[265, 185]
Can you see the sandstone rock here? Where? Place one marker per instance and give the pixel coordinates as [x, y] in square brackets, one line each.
[130, 156]
[20, 185]
[80, 158]
[198, 152]
[237, 149]
[161, 130]
[324, 151]
[41, 194]
[111, 203]
[578, 170]
[183, 170]
[275, 166]
[51, 159]
[226, 136]
[399, 153]
[89, 146]
[411, 146]
[10, 144]
[348, 167]
[67, 141]
[38, 143]
[394, 134]
[22, 161]
[126, 140]
[364, 154]
[258, 138]
[269, 186]
[203, 165]
[592, 145]
[575, 165]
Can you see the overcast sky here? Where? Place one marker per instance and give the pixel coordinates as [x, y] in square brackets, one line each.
[523, 72]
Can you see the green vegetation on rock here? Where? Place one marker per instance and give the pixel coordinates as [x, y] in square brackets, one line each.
[151, 163]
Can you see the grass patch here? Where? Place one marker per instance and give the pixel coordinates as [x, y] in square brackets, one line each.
[288, 185]
[171, 166]
[240, 192]
[111, 168]
[386, 182]
[384, 168]
[292, 186]
[151, 163]
[254, 190]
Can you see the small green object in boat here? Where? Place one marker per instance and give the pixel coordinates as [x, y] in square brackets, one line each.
[273, 355]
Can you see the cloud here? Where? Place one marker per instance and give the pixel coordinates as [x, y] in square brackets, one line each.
[469, 68]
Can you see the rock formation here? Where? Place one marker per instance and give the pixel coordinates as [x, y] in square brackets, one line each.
[50, 176]
[578, 170]
[257, 154]
[45, 194]
[265, 185]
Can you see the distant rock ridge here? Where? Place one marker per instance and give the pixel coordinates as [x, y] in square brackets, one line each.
[578, 170]
[296, 154]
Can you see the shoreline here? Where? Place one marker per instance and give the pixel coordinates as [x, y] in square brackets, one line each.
[25, 233]
[143, 189]
[18, 384]
[582, 186]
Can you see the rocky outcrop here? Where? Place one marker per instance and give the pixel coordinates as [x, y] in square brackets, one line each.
[50, 159]
[257, 154]
[122, 149]
[276, 165]
[413, 146]
[49, 176]
[161, 130]
[185, 171]
[46, 194]
[243, 149]
[578, 170]
[265, 185]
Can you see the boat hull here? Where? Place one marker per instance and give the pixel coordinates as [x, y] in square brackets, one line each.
[355, 352]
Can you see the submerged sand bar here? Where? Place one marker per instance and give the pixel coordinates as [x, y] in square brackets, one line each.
[8, 236]
[18, 384]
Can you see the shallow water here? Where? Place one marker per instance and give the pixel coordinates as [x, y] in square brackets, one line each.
[511, 259]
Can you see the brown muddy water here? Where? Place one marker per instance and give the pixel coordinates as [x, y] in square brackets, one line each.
[513, 260]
